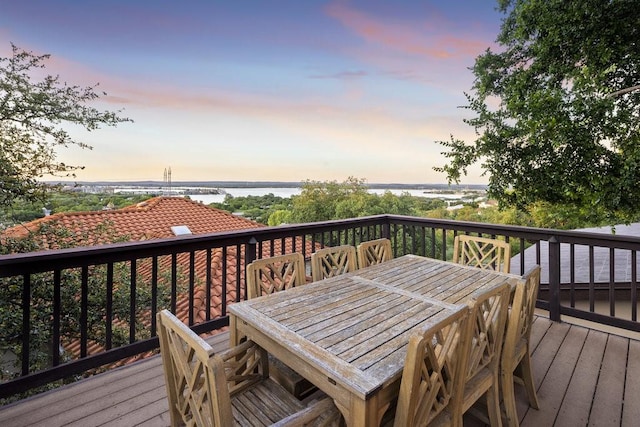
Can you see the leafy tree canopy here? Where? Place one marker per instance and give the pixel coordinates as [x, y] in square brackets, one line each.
[557, 108]
[65, 201]
[33, 111]
[323, 201]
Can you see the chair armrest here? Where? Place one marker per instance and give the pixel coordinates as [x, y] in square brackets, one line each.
[237, 350]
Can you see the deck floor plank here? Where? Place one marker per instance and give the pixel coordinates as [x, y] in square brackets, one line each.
[542, 325]
[125, 408]
[159, 420]
[608, 398]
[149, 413]
[566, 359]
[546, 350]
[551, 394]
[84, 395]
[579, 395]
[631, 410]
[114, 404]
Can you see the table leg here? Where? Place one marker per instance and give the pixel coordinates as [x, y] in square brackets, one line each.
[364, 413]
[234, 336]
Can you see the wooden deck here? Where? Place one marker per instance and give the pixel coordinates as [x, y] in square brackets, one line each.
[584, 377]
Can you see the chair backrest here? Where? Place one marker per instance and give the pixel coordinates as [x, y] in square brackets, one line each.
[482, 252]
[374, 252]
[431, 369]
[199, 383]
[523, 305]
[333, 261]
[273, 274]
[195, 389]
[489, 311]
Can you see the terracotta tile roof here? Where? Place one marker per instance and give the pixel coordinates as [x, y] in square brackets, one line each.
[153, 219]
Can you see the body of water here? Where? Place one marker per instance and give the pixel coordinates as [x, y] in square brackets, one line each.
[244, 192]
[288, 192]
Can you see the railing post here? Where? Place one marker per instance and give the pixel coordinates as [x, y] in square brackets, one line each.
[554, 279]
[252, 251]
[26, 322]
[386, 230]
[386, 233]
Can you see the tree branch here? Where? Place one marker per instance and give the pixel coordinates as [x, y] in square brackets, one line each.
[623, 91]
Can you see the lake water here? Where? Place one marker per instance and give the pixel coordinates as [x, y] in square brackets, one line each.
[288, 192]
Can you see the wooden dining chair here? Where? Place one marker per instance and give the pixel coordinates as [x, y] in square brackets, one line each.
[481, 362]
[432, 366]
[277, 273]
[374, 252]
[332, 261]
[266, 276]
[482, 252]
[516, 354]
[230, 388]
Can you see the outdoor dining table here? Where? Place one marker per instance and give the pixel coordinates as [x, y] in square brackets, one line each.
[348, 334]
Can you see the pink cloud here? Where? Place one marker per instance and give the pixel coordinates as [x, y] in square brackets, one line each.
[427, 40]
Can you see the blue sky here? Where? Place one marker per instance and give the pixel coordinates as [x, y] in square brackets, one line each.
[284, 90]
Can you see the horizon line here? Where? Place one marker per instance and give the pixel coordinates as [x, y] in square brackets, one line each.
[222, 183]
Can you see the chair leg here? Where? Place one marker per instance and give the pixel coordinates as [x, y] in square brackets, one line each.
[455, 409]
[527, 378]
[509, 398]
[493, 404]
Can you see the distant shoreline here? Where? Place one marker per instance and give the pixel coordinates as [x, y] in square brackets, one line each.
[262, 184]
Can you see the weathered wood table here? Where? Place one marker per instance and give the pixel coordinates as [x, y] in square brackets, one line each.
[348, 334]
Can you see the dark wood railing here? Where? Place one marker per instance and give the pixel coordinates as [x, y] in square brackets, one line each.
[88, 285]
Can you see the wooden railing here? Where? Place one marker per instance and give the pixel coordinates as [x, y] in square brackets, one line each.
[83, 295]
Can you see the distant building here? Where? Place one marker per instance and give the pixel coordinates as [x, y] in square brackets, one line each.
[455, 207]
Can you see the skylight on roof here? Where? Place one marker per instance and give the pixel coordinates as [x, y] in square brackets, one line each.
[180, 230]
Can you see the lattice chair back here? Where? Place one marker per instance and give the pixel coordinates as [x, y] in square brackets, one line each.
[482, 252]
[333, 261]
[374, 252]
[273, 274]
[489, 316]
[481, 376]
[432, 367]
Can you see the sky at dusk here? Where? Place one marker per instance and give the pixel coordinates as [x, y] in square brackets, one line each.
[286, 90]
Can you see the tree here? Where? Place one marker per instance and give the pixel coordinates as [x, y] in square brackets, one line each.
[66, 201]
[33, 112]
[280, 216]
[323, 201]
[557, 109]
[318, 201]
